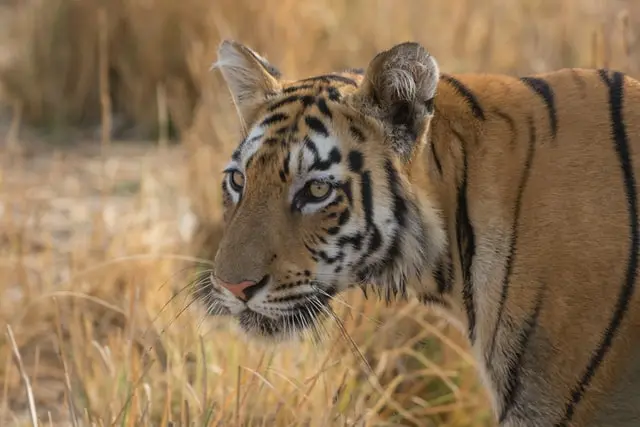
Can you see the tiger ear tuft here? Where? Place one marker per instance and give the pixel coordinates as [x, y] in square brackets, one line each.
[399, 89]
[249, 76]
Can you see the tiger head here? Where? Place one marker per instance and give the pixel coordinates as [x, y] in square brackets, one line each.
[317, 197]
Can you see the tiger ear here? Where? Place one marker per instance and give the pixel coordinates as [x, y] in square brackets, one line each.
[249, 76]
[399, 89]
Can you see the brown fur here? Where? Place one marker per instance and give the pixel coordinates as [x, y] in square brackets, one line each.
[520, 212]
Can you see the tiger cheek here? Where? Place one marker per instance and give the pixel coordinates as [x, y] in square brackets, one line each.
[334, 216]
[227, 207]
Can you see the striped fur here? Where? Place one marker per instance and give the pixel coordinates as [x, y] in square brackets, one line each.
[510, 203]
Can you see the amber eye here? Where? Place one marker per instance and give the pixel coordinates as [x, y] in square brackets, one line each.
[313, 192]
[237, 180]
[319, 190]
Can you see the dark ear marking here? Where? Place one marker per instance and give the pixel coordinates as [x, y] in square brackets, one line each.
[402, 113]
[430, 105]
[270, 68]
[399, 89]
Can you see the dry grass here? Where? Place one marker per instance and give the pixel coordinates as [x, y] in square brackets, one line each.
[94, 250]
[49, 54]
[87, 279]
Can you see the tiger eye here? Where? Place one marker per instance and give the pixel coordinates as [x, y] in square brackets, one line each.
[237, 179]
[319, 190]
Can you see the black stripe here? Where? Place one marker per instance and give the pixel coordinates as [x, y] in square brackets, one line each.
[427, 299]
[334, 94]
[363, 288]
[274, 118]
[343, 218]
[615, 82]
[399, 204]
[250, 160]
[318, 162]
[466, 248]
[443, 275]
[322, 165]
[514, 383]
[282, 131]
[354, 240]
[236, 154]
[316, 125]
[324, 109]
[440, 275]
[329, 259]
[506, 280]
[400, 211]
[512, 126]
[356, 161]
[436, 159]
[367, 198]
[356, 133]
[284, 101]
[328, 78]
[332, 231]
[376, 240]
[544, 90]
[471, 99]
[307, 101]
[346, 189]
[311, 146]
[285, 164]
[336, 202]
[285, 298]
[296, 88]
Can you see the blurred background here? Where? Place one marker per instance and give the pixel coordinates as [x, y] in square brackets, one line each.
[113, 132]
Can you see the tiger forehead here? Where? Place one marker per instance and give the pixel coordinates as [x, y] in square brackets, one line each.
[287, 119]
[301, 97]
[335, 84]
[300, 117]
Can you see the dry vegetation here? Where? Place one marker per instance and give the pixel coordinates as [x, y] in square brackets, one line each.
[99, 242]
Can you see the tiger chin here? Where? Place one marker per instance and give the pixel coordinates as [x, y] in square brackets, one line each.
[510, 203]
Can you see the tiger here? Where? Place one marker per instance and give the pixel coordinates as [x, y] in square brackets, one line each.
[508, 204]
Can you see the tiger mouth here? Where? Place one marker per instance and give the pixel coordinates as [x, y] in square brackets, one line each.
[304, 314]
[290, 324]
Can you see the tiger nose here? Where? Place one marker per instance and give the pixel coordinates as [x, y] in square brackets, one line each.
[244, 290]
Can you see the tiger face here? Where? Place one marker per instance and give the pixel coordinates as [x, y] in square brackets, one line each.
[316, 196]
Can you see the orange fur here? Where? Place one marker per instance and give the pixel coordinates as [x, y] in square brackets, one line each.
[510, 203]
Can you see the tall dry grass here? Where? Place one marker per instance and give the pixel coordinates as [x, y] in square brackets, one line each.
[94, 293]
[96, 251]
[49, 57]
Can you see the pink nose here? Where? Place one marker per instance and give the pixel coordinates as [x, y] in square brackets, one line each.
[238, 289]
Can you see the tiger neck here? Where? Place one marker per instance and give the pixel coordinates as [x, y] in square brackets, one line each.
[455, 156]
[441, 176]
